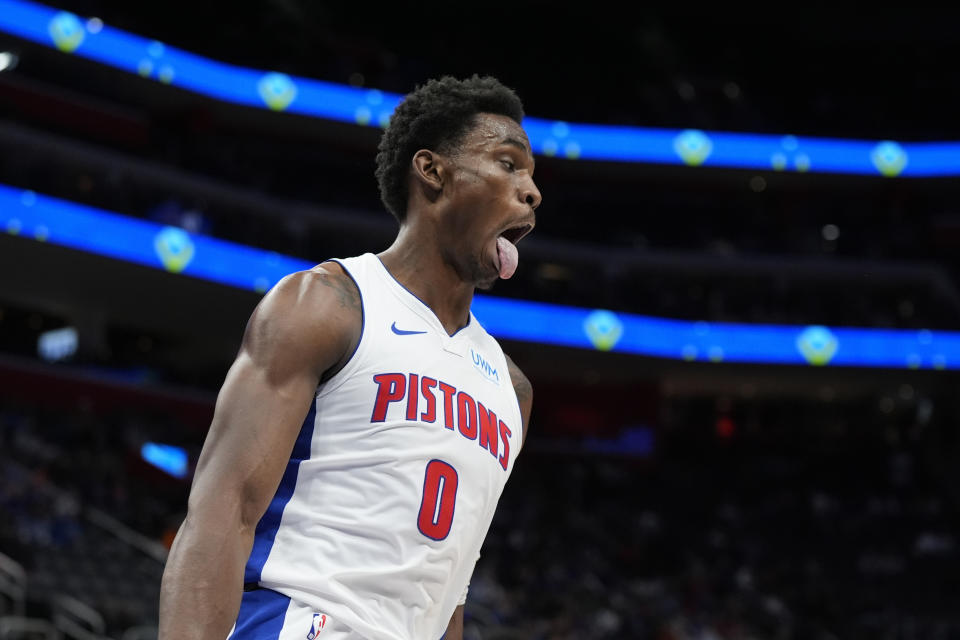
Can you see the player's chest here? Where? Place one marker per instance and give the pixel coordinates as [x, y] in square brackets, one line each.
[449, 395]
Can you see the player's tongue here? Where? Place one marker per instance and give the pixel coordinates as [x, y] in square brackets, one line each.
[507, 253]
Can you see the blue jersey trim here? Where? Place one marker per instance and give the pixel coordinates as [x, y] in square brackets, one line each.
[261, 617]
[270, 522]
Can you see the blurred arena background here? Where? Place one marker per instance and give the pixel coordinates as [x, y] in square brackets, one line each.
[744, 347]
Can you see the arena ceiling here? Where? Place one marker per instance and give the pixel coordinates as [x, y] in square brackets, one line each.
[885, 72]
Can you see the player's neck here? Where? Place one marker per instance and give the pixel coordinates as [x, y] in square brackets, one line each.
[422, 270]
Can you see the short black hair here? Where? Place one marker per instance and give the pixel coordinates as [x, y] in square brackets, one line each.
[435, 116]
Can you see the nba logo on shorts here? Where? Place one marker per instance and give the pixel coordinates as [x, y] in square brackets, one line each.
[319, 620]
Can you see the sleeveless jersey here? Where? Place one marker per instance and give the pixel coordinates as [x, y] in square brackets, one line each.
[393, 481]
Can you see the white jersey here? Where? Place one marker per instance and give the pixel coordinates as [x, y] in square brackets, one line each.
[395, 476]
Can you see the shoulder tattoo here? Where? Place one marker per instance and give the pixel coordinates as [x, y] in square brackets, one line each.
[343, 286]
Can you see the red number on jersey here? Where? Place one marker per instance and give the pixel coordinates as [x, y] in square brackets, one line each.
[439, 500]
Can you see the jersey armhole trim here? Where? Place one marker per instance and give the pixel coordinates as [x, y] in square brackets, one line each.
[523, 427]
[513, 388]
[339, 377]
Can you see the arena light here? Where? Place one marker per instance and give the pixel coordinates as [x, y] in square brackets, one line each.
[173, 460]
[276, 91]
[69, 224]
[57, 344]
[8, 60]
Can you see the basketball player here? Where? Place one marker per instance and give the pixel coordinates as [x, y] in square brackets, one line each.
[363, 436]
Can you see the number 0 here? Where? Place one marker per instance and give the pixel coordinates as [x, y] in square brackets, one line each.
[439, 500]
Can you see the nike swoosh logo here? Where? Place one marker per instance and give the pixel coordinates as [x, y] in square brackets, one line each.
[403, 332]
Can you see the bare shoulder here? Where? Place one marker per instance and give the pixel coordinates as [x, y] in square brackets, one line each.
[316, 288]
[332, 276]
[312, 317]
[521, 384]
[524, 391]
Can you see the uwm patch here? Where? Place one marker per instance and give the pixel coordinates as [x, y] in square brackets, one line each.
[483, 365]
[319, 622]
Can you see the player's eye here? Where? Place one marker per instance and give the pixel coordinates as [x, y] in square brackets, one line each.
[508, 164]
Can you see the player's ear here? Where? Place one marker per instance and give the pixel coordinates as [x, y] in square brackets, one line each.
[428, 170]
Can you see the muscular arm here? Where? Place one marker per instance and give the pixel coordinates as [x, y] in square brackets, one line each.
[307, 325]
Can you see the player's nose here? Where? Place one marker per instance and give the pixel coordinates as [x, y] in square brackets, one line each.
[529, 194]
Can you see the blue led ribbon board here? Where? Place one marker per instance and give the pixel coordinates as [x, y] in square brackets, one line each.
[78, 226]
[47, 219]
[92, 39]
